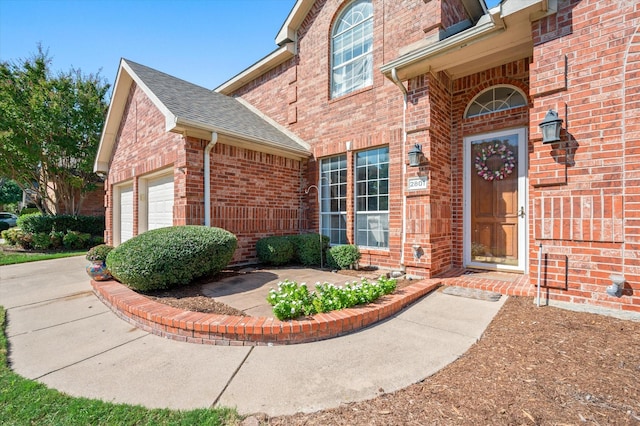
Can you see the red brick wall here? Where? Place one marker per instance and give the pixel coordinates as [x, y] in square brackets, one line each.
[255, 195]
[142, 146]
[297, 94]
[584, 191]
[252, 194]
[93, 203]
[464, 90]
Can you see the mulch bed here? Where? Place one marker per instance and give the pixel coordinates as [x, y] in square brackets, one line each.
[533, 366]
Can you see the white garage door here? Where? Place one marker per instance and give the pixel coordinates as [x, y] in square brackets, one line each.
[126, 213]
[160, 196]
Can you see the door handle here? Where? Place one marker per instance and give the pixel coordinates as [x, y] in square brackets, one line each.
[521, 212]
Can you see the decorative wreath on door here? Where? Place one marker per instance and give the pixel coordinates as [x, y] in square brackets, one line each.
[496, 148]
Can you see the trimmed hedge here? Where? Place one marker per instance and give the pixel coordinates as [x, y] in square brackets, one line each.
[275, 250]
[35, 223]
[304, 249]
[173, 256]
[308, 248]
[342, 257]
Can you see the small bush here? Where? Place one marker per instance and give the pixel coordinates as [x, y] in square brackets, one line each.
[76, 240]
[168, 257]
[308, 248]
[13, 236]
[27, 219]
[41, 241]
[342, 257]
[56, 239]
[98, 253]
[275, 250]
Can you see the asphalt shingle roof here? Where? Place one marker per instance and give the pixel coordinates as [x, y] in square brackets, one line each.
[203, 106]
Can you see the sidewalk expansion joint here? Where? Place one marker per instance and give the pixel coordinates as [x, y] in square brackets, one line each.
[54, 299]
[89, 357]
[232, 377]
[51, 326]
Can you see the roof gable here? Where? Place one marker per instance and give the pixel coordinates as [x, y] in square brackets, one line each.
[187, 106]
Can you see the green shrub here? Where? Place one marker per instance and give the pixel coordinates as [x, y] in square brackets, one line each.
[56, 239]
[275, 250]
[28, 218]
[41, 241]
[342, 257]
[168, 257]
[292, 300]
[29, 210]
[35, 223]
[76, 240]
[308, 248]
[98, 253]
[13, 236]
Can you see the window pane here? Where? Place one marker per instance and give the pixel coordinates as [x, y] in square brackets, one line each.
[495, 99]
[352, 42]
[372, 189]
[333, 190]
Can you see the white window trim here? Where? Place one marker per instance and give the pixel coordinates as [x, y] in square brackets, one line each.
[492, 88]
[363, 56]
[356, 213]
[323, 183]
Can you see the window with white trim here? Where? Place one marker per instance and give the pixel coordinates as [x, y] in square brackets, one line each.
[496, 98]
[333, 199]
[352, 49]
[372, 198]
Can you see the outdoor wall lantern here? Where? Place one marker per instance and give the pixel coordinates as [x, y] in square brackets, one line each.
[416, 157]
[551, 126]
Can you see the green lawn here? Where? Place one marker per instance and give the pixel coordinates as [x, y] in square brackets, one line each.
[10, 258]
[24, 402]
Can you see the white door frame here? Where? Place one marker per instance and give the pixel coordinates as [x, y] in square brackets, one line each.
[116, 211]
[523, 230]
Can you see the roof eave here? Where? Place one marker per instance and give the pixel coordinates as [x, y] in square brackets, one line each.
[183, 124]
[125, 78]
[447, 45]
[503, 35]
[275, 58]
[289, 30]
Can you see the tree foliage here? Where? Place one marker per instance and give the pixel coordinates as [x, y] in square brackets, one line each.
[50, 130]
[10, 192]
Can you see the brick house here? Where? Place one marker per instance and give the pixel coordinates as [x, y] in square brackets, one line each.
[418, 123]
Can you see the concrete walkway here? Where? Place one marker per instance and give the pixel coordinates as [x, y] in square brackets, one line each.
[60, 334]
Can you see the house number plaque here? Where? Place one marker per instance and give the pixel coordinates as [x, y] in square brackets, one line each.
[417, 183]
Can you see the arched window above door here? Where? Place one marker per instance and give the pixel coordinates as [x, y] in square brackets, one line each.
[496, 98]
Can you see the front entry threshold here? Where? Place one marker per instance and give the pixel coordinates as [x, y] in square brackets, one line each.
[506, 283]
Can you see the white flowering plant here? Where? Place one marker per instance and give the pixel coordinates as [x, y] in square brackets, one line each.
[292, 300]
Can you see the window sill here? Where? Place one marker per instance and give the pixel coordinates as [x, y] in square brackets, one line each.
[350, 94]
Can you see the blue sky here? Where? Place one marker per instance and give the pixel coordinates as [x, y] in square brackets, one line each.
[205, 42]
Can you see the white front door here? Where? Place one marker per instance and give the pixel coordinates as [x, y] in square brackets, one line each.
[495, 200]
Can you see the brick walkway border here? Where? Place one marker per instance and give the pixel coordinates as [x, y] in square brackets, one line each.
[227, 330]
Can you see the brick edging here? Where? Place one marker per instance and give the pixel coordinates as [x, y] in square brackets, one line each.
[228, 330]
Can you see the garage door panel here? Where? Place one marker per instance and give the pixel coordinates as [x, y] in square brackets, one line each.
[160, 198]
[126, 213]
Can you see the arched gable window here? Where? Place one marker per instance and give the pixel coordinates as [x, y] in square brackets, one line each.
[352, 49]
[496, 98]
